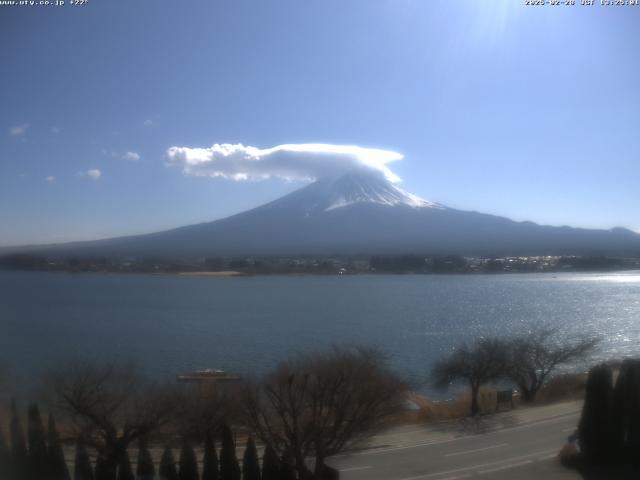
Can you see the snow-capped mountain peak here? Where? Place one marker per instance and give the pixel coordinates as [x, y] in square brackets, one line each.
[332, 193]
[351, 189]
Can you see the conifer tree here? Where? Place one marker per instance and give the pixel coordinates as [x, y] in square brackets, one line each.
[82, 468]
[168, 469]
[38, 459]
[145, 470]
[229, 468]
[595, 428]
[287, 471]
[55, 454]
[210, 469]
[270, 464]
[19, 452]
[105, 470]
[633, 410]
[250, 462]
[626, 412]
[188, 462]
[125, 472]
[5, 456]
[619, 414]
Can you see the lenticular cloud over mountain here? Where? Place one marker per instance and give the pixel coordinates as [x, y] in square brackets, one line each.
[305, 161]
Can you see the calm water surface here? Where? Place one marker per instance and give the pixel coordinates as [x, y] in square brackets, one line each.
[172, 324]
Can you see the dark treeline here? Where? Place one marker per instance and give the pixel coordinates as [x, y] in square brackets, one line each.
[38, 455]
[253, 266]
[34, 455]
[339, 264]
[23, 262]
[419, 264]
[123, 426]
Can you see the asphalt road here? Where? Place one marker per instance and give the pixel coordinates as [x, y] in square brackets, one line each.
[526, 451]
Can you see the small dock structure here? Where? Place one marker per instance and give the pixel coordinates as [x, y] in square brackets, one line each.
[208, 376]
[212, 382]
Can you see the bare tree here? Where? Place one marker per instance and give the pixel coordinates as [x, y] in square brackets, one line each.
[532, 358]
[111, 405]
[479, 365]
[204, 410]
[319, 405]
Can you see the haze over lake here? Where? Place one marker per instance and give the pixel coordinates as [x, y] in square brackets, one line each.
[172, 324]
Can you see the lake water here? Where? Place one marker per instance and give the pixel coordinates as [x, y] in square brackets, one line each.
[172, 324]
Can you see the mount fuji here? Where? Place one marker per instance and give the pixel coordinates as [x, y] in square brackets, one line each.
[359, 213]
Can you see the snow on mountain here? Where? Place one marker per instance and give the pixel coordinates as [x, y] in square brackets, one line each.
[350, 189]
[333, 193]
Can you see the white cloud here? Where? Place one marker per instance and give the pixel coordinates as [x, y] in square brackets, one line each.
[18, 130]
[55, 130]
[133, 156]
[93, 174]
[147, 123]
[50, 179]
[108, 153]
[307, 161]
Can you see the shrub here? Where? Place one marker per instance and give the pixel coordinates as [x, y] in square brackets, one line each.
[105, 469]
[270, 464]
[287, 471]
[5, 457]
[626, 411]
[38, 459]
[125, 472]
[229, 468]
[250, 463]
[145, 470]
[188, 462]
[167, 470]
[19, 452]
[57, 464]
[83, 469]
[210, 469]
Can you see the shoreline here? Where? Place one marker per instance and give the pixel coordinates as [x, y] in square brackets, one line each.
[225, 273]
[236, 273]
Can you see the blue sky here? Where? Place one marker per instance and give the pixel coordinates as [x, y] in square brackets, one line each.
[528, 112]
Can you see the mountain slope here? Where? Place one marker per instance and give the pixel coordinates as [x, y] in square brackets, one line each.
[360, 214]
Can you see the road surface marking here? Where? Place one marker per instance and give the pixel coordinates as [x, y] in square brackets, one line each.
[524, 424]
[476, 467]
[354, 469]
[556, 419]
[525, 421]
[476, 450]
[376, 451]
[392, 434]
[547, 457]
[505, 467]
